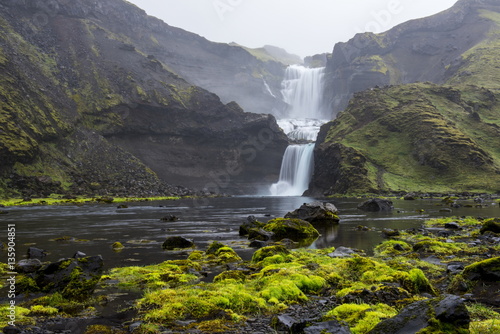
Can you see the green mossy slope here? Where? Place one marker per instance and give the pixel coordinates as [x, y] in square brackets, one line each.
[416, 137]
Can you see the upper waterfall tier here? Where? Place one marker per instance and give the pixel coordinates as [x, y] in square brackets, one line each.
[302, 90]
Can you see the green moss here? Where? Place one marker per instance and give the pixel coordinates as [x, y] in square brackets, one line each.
[392, 248]
[269, 251]
[20, 316]
[40, 310]
[486, 270]
[117, 246]
[294, 229]
[361, 318]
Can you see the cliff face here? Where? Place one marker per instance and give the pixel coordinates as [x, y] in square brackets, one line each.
[433, 49]
[409, 136]
[87, 108]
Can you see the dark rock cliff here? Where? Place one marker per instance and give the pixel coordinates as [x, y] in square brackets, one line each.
[429, 49]
[85, 107]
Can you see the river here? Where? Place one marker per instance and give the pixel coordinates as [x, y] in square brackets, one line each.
[140, 228]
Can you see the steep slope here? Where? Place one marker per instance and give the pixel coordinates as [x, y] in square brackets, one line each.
[416, 137]
[440, 49]
[409, 136]
[84, 109]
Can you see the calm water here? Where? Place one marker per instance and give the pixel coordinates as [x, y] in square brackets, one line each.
[142, 232]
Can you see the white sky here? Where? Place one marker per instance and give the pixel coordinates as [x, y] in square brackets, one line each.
[303, 27]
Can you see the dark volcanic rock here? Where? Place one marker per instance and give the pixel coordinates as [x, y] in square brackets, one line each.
[36, 253]
[332, 327]
[177, 243]
[117, 120]
[491, 226]
[249, 224]
[376, 204]
[448, 311]
[316, 212]
[73, 278]
[28, 266]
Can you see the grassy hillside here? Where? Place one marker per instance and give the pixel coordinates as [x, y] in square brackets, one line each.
[416, 137]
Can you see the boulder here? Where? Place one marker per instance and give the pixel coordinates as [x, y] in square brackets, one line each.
[74, 278]
[343, 252]
[410, 197]
[28, 266]
[332, 327]
[431, 315]
[293, 229]
[486, 271]
[36, 253]
[260, 234]
[268, 251]
[316, 212]
[249, 224]
[177, 243]
[491, 226]
[288, 324]
[376, 204]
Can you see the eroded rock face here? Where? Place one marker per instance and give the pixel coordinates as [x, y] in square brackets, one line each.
[117, 119]
[428, 49]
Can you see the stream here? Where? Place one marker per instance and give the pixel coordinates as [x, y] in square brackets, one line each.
[140, 228]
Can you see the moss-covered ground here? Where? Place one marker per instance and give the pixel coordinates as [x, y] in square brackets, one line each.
[77, 200]
[177, 295]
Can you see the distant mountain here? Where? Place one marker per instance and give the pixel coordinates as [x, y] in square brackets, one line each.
[398, 135]
[91, 104]
[449, 47]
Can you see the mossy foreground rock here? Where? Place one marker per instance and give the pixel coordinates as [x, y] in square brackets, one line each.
[440, 315]
[316, 212]
[488, 270]
[73, 278]
[293, 229]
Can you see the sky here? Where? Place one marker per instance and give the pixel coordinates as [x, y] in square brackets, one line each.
[302, 27]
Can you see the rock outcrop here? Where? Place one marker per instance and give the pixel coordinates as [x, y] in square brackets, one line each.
[446, 47]
[93, 104]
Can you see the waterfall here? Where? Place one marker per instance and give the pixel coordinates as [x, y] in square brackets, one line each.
[302, 90]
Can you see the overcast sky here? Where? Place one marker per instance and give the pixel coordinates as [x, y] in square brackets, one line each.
[299, 26]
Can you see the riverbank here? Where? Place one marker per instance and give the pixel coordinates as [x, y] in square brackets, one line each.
[214, 290]
[77, 200]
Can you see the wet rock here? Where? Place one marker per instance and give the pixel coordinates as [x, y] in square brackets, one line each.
[486, 271]
[376, 204]
[170, 218]
[316, 212]
[258, 244]
[177, 243]
[431, 315]
[343, 252]
[79, 255]
[251, 223]
[454, 268]
[11, 330]
[28, 266]
[332, 327]
[293, 229]
[288, 324]
[391, 294]
[452, 226]
[410, 197]
[389, 233]
[491, 226]
[74, 278]
[260, 234]
[36, 253]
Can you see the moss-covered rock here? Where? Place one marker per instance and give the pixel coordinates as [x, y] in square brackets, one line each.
[269, 251]
[316, 213]
[293, 229]
[487, 270]
[177, 243]
[491, 226]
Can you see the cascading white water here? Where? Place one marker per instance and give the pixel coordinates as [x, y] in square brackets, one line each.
[302, 90]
